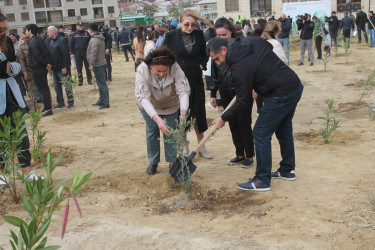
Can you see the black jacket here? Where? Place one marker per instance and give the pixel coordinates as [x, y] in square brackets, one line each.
[123, 37]
[372, 19]
[221, 78]
[209, 33]
[333, 25]
[346, 23]
[307, 29]
[286, 25]
[108, 38]
[79, 42]
[11, 57]
[59, 51]
[39, 55]
[255, 66]
[189, 63]
[361, 19]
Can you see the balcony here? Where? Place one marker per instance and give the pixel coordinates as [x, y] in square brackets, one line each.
[55, 19]
[97, 2]
[98, 16]
[53, 3]
[38, 4]
[41, 20]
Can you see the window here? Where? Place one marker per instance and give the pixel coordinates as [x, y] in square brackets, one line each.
[345, 5]
[231, 5]
[261, 8]
[71, 12]
[83, 12]
[22, 2]
[112, 23]
[69, 0]
[11, 17]
[8, 3]
[13, 31]
[111, 9]
[25, 16]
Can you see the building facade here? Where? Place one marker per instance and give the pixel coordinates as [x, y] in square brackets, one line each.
[207, 9]
[45, 13]
[252, 9]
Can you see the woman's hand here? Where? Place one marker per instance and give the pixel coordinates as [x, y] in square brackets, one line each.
[9, 70]
[161, 124]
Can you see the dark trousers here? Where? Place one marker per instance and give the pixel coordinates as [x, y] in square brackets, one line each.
[40, 78]
[359, 29]
[209, 84]
[108, 71]
[240, 127]
[58, 81]
[346, 34]
[318, 45]
[24, 158]
[80, 60]
[99, 73]
[276, 117]
[333, 35]
[125, 49]
[259, 102]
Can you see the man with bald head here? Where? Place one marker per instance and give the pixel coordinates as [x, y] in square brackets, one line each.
[58, 48]
[283, 37]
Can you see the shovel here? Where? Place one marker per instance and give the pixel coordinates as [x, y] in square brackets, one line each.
[178, 172]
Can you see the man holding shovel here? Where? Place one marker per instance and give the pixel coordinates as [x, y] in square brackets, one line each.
[256, 69]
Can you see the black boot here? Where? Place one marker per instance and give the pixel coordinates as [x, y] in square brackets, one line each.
[152, 169]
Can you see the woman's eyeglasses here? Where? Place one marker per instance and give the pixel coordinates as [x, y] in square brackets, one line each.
[193, 25]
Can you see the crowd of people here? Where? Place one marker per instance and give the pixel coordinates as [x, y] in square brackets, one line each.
[246, 61]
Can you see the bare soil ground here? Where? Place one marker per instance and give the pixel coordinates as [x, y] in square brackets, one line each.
[326, 207]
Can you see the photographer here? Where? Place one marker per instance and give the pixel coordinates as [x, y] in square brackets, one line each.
[306, 26]
[333, 26]
[283, 36]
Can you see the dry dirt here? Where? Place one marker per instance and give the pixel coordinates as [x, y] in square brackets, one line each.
[326, 207]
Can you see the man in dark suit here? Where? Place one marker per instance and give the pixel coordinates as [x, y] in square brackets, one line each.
[360, 21]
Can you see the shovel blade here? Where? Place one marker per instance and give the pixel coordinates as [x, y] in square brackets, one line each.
[178, 172]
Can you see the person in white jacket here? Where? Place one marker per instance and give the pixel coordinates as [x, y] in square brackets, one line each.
[150, 43]
[270, 35]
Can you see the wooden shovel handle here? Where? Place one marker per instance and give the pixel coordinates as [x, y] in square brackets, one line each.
[208, 135]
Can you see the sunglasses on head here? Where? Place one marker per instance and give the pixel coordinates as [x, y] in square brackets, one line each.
[193, 25]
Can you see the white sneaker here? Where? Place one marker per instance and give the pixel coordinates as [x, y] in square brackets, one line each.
[3, 180]
[33, 176]
[204, 153]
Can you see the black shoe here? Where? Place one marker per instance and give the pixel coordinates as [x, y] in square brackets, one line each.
[70, 105]
[291, 176]
[311, 64]
[152, 169]
[300, 64]
[47, 113]
[254, 184]
[126, 60]
[80, 84]
[59, 106]
[247, 163]
[104, 106]
[90, 83]
[98, 103]
[236, 160]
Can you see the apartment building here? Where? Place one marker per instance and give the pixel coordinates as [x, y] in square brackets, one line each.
[55, 12]
[266, 8]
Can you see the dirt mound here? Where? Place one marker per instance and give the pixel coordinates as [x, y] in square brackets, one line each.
[339, 137]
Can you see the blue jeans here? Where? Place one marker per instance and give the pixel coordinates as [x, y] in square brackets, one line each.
[275, 117]
[153, 138]
[285, 43]
[99, 73]
[371, 33]
[57, 84]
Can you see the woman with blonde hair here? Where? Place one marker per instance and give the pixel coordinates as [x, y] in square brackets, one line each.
[270, 35]
[189, 45]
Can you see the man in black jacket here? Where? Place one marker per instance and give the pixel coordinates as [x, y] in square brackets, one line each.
[60, 61]
[283, 36]
[347, 25]
[333, 26]
[106, 32]
[360, 21]
[123, 40]
[78, 47]
[255, 68]
[306, 26]
[39, 60]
